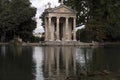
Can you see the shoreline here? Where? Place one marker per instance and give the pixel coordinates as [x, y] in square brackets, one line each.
[66, 44]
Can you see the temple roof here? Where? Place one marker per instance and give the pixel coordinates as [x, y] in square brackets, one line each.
[61, 9]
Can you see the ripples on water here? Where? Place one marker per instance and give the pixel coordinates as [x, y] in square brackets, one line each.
[59, 63]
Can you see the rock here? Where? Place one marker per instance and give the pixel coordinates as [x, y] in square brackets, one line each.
[83, 73]
[105, 72]
[91, 74]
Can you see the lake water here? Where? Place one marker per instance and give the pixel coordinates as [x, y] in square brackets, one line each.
[59, 63]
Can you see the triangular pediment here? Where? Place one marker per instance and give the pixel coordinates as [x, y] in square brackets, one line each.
[63, 9]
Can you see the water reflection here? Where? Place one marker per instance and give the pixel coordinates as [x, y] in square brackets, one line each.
[56, 63]
[60, 62]
[84, 57]
[3, 50]
[16, 64]
[37, 59]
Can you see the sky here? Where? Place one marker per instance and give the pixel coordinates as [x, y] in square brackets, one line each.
[40, 5]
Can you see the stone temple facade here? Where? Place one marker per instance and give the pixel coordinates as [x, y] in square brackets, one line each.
[60, 23]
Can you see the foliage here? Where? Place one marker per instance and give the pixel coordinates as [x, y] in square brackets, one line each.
[81, 36]
[101, 18]
[81, 7]
[42, 19]
[96, 30]
[17, 19]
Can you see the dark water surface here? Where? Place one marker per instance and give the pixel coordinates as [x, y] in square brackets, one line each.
[59, 63]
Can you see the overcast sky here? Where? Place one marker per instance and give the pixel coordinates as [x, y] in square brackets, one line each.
[40, 5]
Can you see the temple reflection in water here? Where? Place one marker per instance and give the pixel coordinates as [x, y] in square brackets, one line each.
[60, 62]
[43, 63]
[55, 63]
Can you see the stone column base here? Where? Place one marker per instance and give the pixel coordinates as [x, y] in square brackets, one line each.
[57, 40]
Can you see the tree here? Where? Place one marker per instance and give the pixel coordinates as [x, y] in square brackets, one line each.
[96, 31]
[101, 18]
[17, 19]
[24, 13]
[5, 18]
[81, 6]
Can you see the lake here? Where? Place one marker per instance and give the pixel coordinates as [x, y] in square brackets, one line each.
[59, 63]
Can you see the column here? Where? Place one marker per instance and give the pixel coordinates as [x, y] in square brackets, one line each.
[57, 33]
[46, 29]
[74, 29]
[66, 30]
[50, 29]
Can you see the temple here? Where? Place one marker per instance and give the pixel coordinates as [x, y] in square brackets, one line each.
[60, 23]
